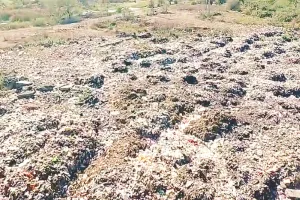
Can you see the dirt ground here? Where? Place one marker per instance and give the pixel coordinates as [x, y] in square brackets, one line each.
[209, 111]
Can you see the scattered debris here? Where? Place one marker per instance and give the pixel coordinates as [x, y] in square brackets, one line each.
[155, 117]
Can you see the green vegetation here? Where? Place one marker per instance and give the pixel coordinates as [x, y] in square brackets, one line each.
[4, 17]
[1, 81]
[25, 13]
[278, 10]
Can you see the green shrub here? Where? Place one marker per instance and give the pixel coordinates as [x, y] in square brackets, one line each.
[279, 10]
[234, 5]
[119, 10]
[112, 25]
[40, 22]
[4, 17]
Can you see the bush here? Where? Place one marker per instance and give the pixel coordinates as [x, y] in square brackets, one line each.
[40, 22]
[4, 17]
[119, 10]
[281, 10]
[234, 5]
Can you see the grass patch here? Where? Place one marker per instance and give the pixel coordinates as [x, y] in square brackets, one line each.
[39, 22]
[120, 26]
[15, 25]
[49, 42]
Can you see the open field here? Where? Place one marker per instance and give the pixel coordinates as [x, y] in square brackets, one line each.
[169, 105]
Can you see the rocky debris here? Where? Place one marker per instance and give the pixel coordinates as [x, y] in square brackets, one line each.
[285, 92]
[244, 47]
[87, 97]
[95, 81]
[271, 33]
[123, 35]
[227, 53]
[220, 124]
[255, 37]
[203, 102]
[46, 88]
[133, 77]
[167, 61]
[154, 79]
[120, 69]
[47, 123]
[235, 90]
[279, 50]
[127, 62]
[144, 35]
[145, 63]
[241, 72]
[210, 125]
[26, 95]
[10, 82]
[292, 193]
[219, 43]
[190, 79]
[268, 54]
[159, 40]
[65, 88]
[182, 60]
[3, 110]
[278, 77]
[249, 41]
[21, 84]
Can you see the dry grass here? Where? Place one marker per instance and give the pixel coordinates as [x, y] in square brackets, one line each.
[210, 125]
[22, 18]
[127, 146]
